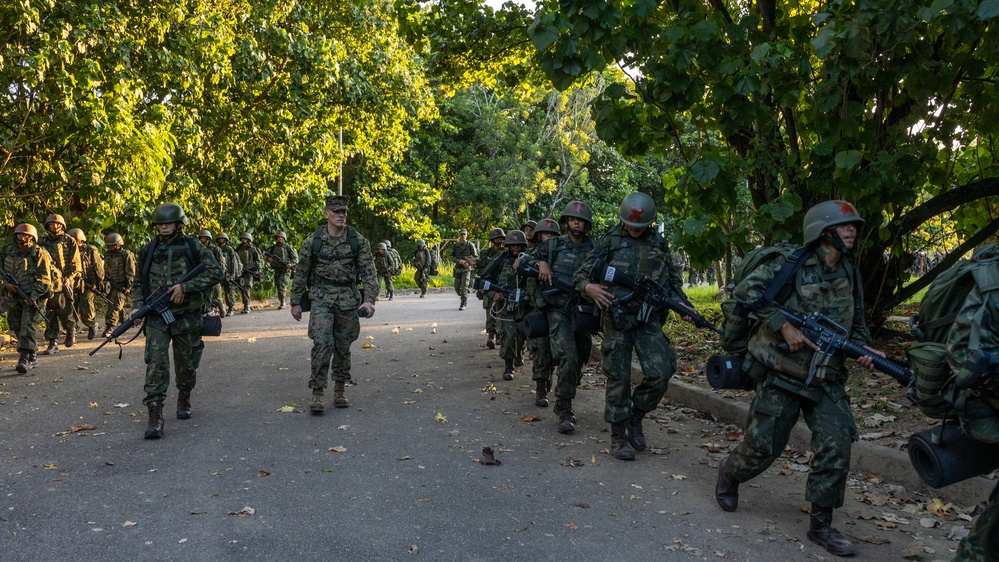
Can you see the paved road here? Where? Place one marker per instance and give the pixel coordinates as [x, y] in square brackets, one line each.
[384, 477]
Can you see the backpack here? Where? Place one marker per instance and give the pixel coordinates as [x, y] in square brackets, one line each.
[932, 324]
[396, 261]
[433, 263]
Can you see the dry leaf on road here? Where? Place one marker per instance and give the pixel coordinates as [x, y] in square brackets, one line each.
[245, 512]
[487, 457]
[75, 428]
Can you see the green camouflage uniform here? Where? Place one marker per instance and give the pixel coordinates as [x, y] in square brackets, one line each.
[169, 263]
[282, 273]
[384, 264]
[485, 258]
[66, 259]
[93, 276]
[462, 275]
[253, 264]
[781, 394]
[570, 349]
[31, 267]
[979, 412]
[233, 271]
[421, 260]
[119, 269]
[213, 300]
[645, 256]
[333, 321]
[504, 274]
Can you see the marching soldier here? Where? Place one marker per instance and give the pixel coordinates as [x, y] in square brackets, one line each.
[65, 275]
[214, 299]
[119, 268]
[233, 271]
[502, 271]
[282, 257]
[421, 260]
[30, 265]
[384, 266]
[496, 237]
[252, 262]
[90, 282]
[463, 254]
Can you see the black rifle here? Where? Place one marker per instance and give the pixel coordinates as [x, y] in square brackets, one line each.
[9, 277]
[831, 338]
[71, 301]
[277, 261]
[651, 294]
[239, 287]
[92, 287]
[158, 302]
[559, 284]
[510, 296]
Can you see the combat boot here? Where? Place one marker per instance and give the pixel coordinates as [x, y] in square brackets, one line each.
[491, 340]
[70, 337]
[316, 402]
[508, 370]
[281, 305]
[52, 349]
[636, 436]
[566, 419]
[391, 295]
[32, 360]
[155, 428]
[620, 447]
[228, 311]
[461, 306]
[821, 533]
[184, 405]
[108, 330]
[726, 488]
[91, 331]
[22, 363]
[541, 393]
[339, 398]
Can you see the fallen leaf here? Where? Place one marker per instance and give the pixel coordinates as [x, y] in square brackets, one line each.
[368, 346]
[530, 419]
[939, 508]
[93, 405]
[246, 511]
[409, 329]
[958, 532]
[487, 457]
[418, 391]
[338, 449]
[570, 526]
[251, 340]
[129, 524]
[482, 333]
[263, 473]
[371, 337]
[679, 477]
[121, 405]
[409, 401]
[286, 409]
[913, 550]
[712, 448]
[75, 428]
[344, 427]
[873, 539]
[434, 325]
[929, 523]
[413, 549]
[489, 388]
[441, 418]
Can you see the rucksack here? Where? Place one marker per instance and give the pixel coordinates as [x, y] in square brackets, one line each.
[396, 261]
[433, 263]
[932, 324]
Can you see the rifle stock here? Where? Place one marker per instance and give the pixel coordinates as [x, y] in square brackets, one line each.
[9, 277]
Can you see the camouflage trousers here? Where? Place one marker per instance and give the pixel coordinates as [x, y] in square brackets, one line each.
[982, 544]
[85, 307]
[774, 412]
[389, 286]
[491, 327]
[509, 343]
[57, 316]
[658, 364]
[24, 323]
[116, 311]
[422, 280]
[540, 350]
[570, 351]
[281, 276]
[247, 281]
[332, 331]
[185, 333]
[462, 280]
[228, 288]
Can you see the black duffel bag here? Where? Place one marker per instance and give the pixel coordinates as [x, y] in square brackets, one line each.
[211, 326]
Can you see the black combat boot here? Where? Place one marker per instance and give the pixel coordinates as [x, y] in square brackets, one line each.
[70, 337]
[228, 311]
[52, 349]
[32, 359]
[636, 436]
[821, 532]
[391, 294]
[155, 428]
[22, 362]
[620, 446]
[491, 340]
[541, 393]
[184, 405]
[727, 488]
[566, 420]
[508, 370]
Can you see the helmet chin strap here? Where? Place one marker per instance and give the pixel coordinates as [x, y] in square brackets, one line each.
[833, 237]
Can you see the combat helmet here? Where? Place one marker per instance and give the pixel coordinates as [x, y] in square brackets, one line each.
[420, 243]
[826, 214]
[281, 234]
[167, 213]
[546, 225]
[222, 236]
[387, 243]
[514, 238]
[77, 234]
[29, 229]
[529, 224]
[56, 219]
[382, 246]
[637, 210]
[114, 239]
[246, 236]
[577, 209]
[205, 234]
[496, 233]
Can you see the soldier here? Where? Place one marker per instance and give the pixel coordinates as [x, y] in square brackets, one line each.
[252, 262]
[282, 258]
[90, 282]
[396, 258]
[233, 268]
[636, 249]
[421, 261]
[384, 266]
[496, 237]
[66, 274]
[463, 254]
[213, 300]
[333, 258]
[827, 282]
[119, 268]
[502, 271]
[540, 347]
[164, 261]
[31, 265]
[570, 344]
[528, 229]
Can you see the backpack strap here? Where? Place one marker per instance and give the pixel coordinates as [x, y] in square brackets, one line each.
[791, 265]
[987, 278]
[317, 244]
[147, 263]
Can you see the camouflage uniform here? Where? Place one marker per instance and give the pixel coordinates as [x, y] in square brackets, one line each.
[31, 267]
[66, 259]
[169, 263]
[233, 268]
[253, 263]
[282, 273]
[421, 260]
[462, 275]
[213, 300]
[384, 265]
[119, 269]
[486, 257]
[781, 394]
[333, 321]
[645, 256]
[93, 276]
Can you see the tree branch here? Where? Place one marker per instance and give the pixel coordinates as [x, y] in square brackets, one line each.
[944, 202]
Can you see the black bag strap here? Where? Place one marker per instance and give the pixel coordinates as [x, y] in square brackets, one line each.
[317, 244]
[787, 271]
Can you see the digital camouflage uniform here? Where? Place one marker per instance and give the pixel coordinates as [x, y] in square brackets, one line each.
[384, 265]
[282, 273]
[119, 269]
[92, 277]
[213, 298]
[66, 259]
[421, 261]
[31, 267]
[486, 257]
[781, 395]
[978, 410]
[333, 321]
[233, 268]
[253, 263]
[462, 275]
[645, 256]
[501, 271]
[169, 263]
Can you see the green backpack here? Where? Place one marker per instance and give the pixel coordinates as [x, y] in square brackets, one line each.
[932, 324]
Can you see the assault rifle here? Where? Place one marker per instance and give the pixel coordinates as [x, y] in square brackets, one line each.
[158, 302]
[278, 262]
[651, 294]
[71, 302]
[559, 284]
[92, 287]
[831, 338]
[9, 277]
[510, 296]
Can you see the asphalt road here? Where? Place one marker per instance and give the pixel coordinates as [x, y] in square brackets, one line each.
[394, 477]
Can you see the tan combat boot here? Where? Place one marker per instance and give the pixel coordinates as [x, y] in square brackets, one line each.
[316, 402]
[339, 399]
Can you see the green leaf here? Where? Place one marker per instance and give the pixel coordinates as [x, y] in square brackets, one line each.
[847, 159]
[544, 37]
[703, 171]
[988, 9]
